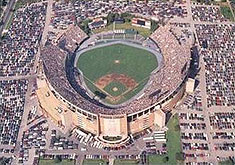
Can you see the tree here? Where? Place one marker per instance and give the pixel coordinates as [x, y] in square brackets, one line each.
[58, 159]
[154, 25]
[177, 127]
[84, 26]
[165, 159]
[127, 17]
[110, 18]
[227, 162]
[179, 156]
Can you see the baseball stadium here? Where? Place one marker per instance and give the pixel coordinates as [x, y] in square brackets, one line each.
[113, 84]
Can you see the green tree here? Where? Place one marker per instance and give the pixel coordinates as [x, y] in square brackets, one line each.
[58, 159]
[154, 25]
[165, 159]
[227, 162]
[179, 156]
[127, 17]
[110, 18]
[177, 127]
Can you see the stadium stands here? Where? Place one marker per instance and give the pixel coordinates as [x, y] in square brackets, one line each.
[71, 38]
[166, 81]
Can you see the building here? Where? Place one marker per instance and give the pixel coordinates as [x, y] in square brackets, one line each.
[190, 85]
[97, 23]
[141, 22]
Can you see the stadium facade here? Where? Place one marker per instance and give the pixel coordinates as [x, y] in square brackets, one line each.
[68, 104]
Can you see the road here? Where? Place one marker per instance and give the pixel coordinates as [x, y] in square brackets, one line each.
[7, 15]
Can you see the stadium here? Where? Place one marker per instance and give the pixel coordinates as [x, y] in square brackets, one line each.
[113, 84]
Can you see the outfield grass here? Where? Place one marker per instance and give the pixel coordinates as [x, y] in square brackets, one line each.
[173, 144]
[133, 62]
[143, 31]
[125, 162]
[121, 88]
[94, 162]
[53, 162]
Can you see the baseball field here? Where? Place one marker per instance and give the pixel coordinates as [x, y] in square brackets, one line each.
[117, 71]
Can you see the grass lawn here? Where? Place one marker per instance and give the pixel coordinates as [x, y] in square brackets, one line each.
[156, 159]
[111, 86]
[143, 31]
[226, 162]
[226, 12]
[94, 162]
[125, 162]
[53, 162]
[173, 144]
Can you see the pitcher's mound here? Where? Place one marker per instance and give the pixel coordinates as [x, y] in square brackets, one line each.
[116, 61]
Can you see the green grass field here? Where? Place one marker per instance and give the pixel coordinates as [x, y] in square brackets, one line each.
[125, 162]
[134, 62]
[226, 162]
[53, 162]
[173, 145]
[94, 162]
[226, 12]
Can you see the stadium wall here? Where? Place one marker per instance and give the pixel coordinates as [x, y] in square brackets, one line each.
[141, 123]
[111, 125]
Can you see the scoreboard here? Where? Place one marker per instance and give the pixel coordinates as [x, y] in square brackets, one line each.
[140, 22]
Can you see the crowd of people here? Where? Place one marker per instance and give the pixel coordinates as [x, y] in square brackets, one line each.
[176, 59]
[207, 14]
[176, 63]
[54, 61]
[20, 44]
[72, 38]
[217, 49]
[12, 101]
